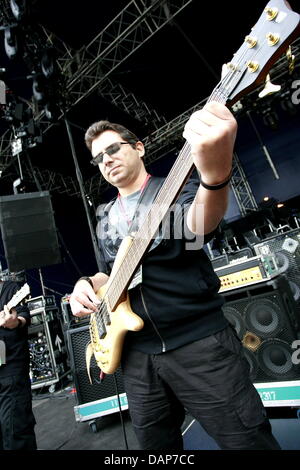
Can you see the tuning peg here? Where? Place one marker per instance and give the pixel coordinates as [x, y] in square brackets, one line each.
[272, 12]
[291, 59]
[269, 88]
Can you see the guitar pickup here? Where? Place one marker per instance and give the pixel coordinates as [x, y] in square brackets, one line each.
[102, 332]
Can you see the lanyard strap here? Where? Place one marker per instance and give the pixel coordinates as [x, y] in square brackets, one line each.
[129, 222]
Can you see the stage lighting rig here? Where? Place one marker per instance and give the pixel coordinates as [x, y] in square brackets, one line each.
[11, 44]
[16, 146]
[18, 8]
[270, 117]
[48, 63]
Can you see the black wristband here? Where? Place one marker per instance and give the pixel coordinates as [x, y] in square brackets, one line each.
[215, 187]
[88, 279]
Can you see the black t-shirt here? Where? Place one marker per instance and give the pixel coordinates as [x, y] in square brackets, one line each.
[16, 342]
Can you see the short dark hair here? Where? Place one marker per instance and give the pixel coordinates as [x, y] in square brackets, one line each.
[101, 126]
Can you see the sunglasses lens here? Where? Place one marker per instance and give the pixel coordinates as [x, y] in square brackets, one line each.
[114, 148]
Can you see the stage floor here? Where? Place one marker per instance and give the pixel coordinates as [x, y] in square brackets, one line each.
[57, 429]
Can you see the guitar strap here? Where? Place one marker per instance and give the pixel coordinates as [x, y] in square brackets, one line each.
[146, 199]
[108, 237]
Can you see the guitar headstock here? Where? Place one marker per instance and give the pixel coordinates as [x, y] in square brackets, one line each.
[276, 28]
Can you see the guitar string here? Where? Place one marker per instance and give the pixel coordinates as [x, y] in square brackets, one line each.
[216, 95]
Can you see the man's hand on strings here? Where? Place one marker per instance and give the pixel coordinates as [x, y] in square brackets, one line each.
[83, 300]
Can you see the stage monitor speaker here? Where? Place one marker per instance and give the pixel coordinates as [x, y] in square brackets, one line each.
[28, 231]
[265, 318]
[78, 339]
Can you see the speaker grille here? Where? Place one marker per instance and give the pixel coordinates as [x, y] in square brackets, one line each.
[235, 318]
[263, 316]
[78, 339]
[275, 359]
[266, 319]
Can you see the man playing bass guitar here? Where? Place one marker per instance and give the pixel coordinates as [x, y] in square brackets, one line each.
[183, 355]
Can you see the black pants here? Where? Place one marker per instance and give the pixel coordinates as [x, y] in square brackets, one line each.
[16, 417]
[210, 379]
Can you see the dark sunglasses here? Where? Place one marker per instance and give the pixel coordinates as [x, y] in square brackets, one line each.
[110, 150]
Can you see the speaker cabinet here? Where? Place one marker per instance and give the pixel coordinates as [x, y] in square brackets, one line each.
[265, 318]
[78, 339]
[28, 231]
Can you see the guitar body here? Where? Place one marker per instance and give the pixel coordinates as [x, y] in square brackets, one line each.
[107, 351]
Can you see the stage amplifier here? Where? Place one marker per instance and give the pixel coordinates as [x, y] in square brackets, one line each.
[78, 339]
[266, 320]
[246, 272]
[48, 352]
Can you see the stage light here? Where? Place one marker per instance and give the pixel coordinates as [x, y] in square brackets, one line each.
[16, 147]
[19, 186]
[18, 8]
[270, 118]
[2, 92]
[51, 111]
[48, 63]
[37, 89]
[10, 43]
[287, 104]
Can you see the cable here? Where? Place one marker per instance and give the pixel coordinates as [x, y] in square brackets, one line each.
[48, 288]
[120, 412]
[68, 253]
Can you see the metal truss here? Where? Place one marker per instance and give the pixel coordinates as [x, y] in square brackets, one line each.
[241, 188]
[139, 21]
[168, 139]
[92, 65]
[124, 99]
